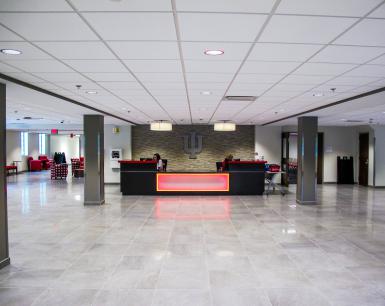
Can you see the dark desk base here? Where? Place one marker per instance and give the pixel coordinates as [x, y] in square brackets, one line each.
[144, 183]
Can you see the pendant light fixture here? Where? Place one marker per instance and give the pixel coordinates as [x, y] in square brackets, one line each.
[224, 126]
[161, 125]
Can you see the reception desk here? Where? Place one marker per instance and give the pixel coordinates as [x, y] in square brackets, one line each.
[142, 178]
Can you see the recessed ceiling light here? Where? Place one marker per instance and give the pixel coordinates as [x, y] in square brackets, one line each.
[318, 94]
[343, 119]
[206, 93]
[91, 92]
[10, 51]
[214, 52]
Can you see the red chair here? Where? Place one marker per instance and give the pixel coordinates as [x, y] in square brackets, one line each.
[59, 171]
[81, 162]
[45, 162]
[34, 164]
[11, 168]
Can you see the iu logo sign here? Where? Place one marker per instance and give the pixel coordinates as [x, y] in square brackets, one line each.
[192, 144]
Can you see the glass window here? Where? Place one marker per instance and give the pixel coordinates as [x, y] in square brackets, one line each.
[42, 144]
[24, 143]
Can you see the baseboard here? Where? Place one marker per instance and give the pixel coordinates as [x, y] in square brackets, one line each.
[89, 203]
[5, 262]
[306, 202]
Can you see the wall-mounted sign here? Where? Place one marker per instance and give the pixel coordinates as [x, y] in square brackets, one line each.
[54, 131]
[192, 144]
[116, 130]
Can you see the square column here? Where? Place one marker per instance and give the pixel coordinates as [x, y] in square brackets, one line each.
[4, 247]
[94, 159]
[307, 160]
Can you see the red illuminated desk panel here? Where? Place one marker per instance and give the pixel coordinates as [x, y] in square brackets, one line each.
[192, 182]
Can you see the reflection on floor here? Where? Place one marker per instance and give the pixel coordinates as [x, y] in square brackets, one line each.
[192, 250]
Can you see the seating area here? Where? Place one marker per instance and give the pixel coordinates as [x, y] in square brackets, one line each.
[10, 168]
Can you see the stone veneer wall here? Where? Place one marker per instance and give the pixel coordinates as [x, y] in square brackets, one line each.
[216, 145]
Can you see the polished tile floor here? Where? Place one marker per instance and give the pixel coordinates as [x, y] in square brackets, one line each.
[192, 250]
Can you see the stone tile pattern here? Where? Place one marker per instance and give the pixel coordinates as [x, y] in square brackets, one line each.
[216, 145]
[152, 251]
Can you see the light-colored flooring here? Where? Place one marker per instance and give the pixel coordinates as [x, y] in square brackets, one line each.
[249, 250]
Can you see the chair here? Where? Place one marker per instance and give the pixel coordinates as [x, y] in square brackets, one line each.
[219, 166]
[34, 164]
[164, 162]
[45, 162]
[75, 162]
[11, 168]
[59, 171]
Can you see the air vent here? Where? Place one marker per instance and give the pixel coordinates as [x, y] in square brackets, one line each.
[240, 98]
[31, 118]
[353, 121]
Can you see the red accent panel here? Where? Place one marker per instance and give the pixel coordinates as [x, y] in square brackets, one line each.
[54, 132]
[248, 162]
[137, 161]
[192, 182]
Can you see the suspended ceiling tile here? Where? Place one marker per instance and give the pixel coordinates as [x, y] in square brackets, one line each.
[154, 65]
[369, 32]
[123, 5]
[219, 27]
[145, 49]
[52, 26]
[96, 65]
[133, 26]
[77, 50]
[46, 65]
[327, 7]
[347, 54]
[239, 6]
[283, 52]
[323, 69]
[268, 67]
[110, 76]
[302, 29]
[35, 5]
[211, 66]
[232, 51]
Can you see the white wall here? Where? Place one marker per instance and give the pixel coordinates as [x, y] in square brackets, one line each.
[66, 144]
[13, 148]
[379, 163]
[268, 143]
[338, 141]
[115, 141]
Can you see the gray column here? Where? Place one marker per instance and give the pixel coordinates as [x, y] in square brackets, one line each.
[4, 248]
[94, 159]
[307, 160]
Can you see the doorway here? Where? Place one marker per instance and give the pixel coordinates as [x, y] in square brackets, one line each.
[363, 174]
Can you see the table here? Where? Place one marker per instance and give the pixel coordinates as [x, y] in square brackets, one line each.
[269, 177]
[16, 162]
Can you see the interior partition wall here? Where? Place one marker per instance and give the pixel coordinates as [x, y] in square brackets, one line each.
[4, 247]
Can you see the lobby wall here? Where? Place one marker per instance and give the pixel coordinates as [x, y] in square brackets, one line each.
[13, 151]
[216, 145]
[64, 143]
[122, 140]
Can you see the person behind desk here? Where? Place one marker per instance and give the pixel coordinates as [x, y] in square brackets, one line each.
[159, 163]
[225, 165]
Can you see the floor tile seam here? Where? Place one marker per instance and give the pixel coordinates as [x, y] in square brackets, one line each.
[248, 258]
[207, 265]
[255, 269]
[123, 255]
[163, 261]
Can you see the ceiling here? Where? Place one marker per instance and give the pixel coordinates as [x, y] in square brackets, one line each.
[145, 58]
